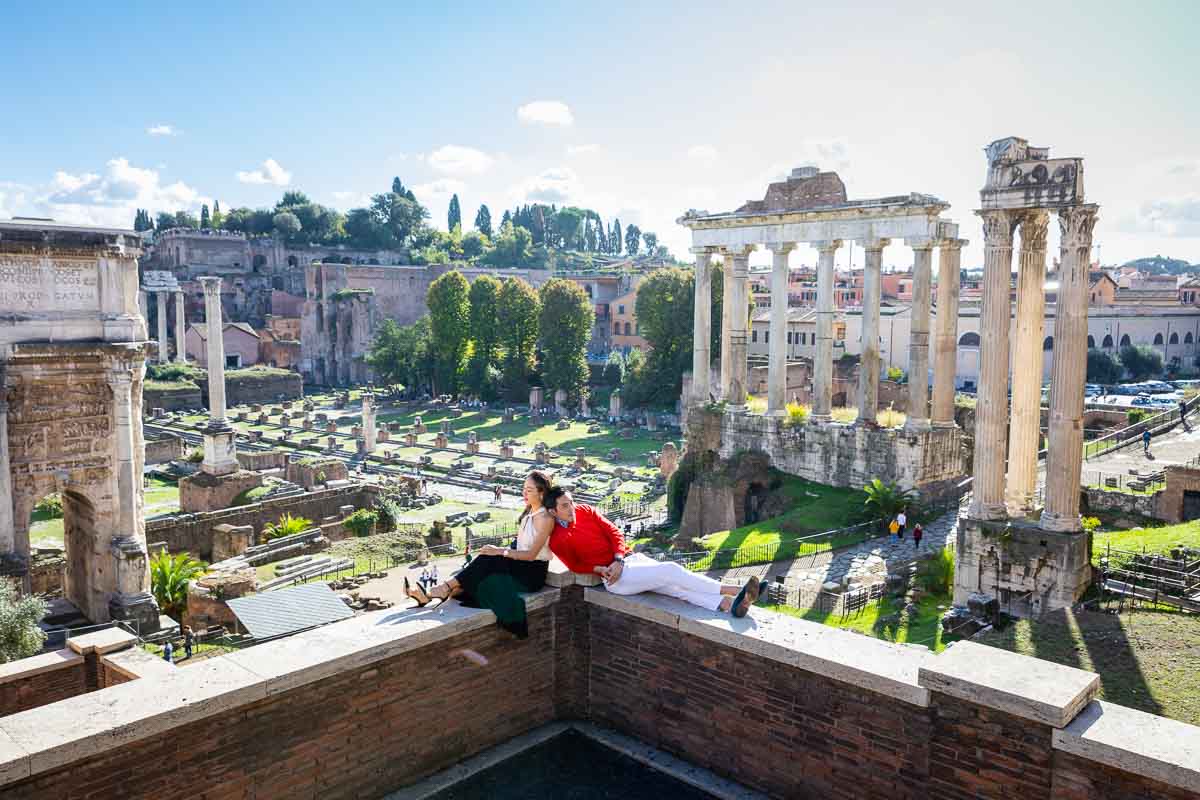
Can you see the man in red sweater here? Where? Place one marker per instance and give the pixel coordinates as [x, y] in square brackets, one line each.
[587, 542]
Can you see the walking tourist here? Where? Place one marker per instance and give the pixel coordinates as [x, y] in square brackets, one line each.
[894, 529]
[169, 652]
[1183, 416]
[587, 542]
[918, 532]
[902, 518]
[189, 641]
[1146, 441]
[497, 576]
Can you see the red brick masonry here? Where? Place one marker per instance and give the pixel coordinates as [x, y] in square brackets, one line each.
[363, 707]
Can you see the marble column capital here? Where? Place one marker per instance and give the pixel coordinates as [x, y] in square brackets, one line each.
[827, 245]
[1076, 224]
[702, 251]
[998, 226]
[946, 245]
[211, 285]
[781, 248]
[740, 252]
[921, 243]
[874, 244]
[1034, 227]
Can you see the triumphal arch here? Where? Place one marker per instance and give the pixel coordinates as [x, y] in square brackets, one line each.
[72, 359]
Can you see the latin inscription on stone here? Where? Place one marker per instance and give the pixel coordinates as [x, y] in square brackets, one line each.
[48, 284]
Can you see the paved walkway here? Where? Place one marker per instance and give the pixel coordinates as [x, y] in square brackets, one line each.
[1177, 446]
[869, 562]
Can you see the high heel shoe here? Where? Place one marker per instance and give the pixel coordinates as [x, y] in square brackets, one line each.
[408, 590]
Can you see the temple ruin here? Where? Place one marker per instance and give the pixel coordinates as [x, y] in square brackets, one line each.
[811, 207]
[1031, 557]
[72, 350]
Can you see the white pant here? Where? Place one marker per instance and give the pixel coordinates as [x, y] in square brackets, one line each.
[643, 574]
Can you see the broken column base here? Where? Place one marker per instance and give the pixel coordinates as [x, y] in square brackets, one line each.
[1029, 571]
[220, 451]
[205, 492]
[140, 611]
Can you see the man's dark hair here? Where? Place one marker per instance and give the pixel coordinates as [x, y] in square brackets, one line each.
[550, 499]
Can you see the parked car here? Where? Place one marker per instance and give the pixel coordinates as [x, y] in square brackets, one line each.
[1093, 390]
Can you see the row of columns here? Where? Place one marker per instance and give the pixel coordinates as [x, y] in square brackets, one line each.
[180, 326]
[735, 324]
[1000, 491]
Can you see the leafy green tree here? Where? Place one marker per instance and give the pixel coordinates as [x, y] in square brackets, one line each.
[565, 322]
[483, 221]
[513, 247]
[633, 240]
[402, 216]
[142, 221]
[398, 188]
[475, 244]
[651, 242]
[450, 326]
[400, 354]
[217, 218]
[1103, 367]
[287, 223]
[292, 198]
[365, 229]
[665, 303]
[517, 312]
[484, 298]
[169, 578]
[614, 238]
[20, 636]
[886, 500]
[205, 219]
[361, 522]
[1141, 361]
[568, 226]
[506, 219]
[454, 214]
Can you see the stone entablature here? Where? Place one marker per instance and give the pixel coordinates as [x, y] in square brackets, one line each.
[916, 724]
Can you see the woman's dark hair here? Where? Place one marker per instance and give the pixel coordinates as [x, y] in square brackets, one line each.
[542, 482]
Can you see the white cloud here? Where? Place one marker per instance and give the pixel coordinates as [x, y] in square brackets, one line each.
[558, 185]
[829, 155]
[162, 130]
[352, 199]
[702, 152]
[546, 112]
[1179, 216]
[582, 149]
[106, 198]
[458, 160]
[440, 189]
[270, 172]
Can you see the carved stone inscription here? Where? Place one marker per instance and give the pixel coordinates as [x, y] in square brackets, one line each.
[48, 284]
[59, 426]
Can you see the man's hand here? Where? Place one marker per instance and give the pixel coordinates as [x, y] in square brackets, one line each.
[612, 573]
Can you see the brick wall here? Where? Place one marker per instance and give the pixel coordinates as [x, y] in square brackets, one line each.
[1080, 779]
[30, 691]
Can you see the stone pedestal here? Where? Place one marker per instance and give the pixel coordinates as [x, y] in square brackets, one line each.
[220, 451]
[1027, 569]
[410, 440]
[442, 441]
[537, 397]
[231, 540]
[560, 402]
[614, 404]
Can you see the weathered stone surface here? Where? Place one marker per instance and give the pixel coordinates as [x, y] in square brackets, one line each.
[204, 492]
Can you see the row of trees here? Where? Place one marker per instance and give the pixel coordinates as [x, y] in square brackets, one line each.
[395, 219]
[1139, 361]
[490, 338]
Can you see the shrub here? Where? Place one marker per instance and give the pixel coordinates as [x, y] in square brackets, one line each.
[1135, 415]
[890, 418]
[1090, 524]
[361, 522]
[895, 374]
[1103, 367]
[196, 455]
[286, 526]
[756, 405]
[936, 575]
[50, 506]
[843, 414]
[20, 636]
[1141, 361]
[886, 499]
[797, 414]
[173, 373]
[169, 578]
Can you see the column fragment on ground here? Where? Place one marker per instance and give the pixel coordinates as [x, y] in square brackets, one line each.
[777, 371]
[945, 343]
[1024, 432]
[736, 300]
[868, 374]
[822, 398]
[1069, 371]
[991, 410]
[180, 329]
[163, 354]
[918, 343]
[702, 328]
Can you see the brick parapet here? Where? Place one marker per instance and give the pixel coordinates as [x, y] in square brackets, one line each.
[782, 705]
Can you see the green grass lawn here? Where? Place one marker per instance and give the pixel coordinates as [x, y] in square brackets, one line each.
[1152, 540]
[816, 508]
[1146, 659]
[161, 497]
[883, 621]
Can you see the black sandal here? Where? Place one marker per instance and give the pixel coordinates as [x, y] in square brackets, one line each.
[408, 590]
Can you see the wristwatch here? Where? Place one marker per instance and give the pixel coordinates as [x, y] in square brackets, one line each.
[619, 558]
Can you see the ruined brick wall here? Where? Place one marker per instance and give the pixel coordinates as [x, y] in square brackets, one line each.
[358, 734]
[1076, 778]
[22, 692]
[175, 399]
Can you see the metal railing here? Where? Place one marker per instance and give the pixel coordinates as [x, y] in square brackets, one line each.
[1120, 482]
[1156, 424]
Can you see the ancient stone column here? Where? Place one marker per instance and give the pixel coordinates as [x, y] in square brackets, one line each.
[991, 410]
[726, 324]
[180, 330]
[868, 368]
[368, 422]
[7, 538]
[1024, 429]
[144, 308]
[163, 352]
[1069, 370]
[702, 328]
[918, 343]
[777, 371]
[945, 353]
[822, 399]
[216, 348]
[736, 296]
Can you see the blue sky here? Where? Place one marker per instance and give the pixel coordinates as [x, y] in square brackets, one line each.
[640, 110]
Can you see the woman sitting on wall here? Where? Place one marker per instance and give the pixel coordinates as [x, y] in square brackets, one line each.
[497, 576]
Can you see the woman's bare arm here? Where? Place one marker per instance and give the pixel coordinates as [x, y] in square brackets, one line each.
[543, 526]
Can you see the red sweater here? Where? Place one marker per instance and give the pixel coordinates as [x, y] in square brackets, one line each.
[590, 541]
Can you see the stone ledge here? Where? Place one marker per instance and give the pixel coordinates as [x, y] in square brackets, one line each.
[1023, 686]
[1133, 741]
[108, 640]
[36, 665]
[137, 663]
[559, 576]
[862, 661]
[70, 730]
